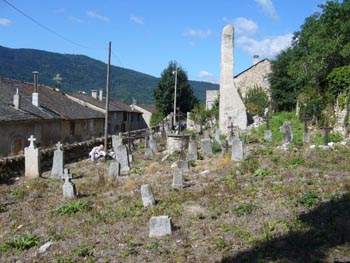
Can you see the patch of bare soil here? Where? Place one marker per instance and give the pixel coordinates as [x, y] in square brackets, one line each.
[274, 206]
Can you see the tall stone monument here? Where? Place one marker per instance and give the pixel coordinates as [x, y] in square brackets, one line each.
[232, 109]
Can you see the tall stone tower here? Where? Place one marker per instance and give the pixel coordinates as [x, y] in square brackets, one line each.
[232, 109]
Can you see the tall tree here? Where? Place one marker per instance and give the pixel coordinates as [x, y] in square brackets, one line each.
[322, 44]
[164, 92]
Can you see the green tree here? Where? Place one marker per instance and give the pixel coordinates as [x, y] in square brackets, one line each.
[322, 44]
[164, 92]
[256, 100]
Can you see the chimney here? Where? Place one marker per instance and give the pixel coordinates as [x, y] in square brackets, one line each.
[17, 100]
[35, 95]
[255, 59]
[94, 93]
[100, 94]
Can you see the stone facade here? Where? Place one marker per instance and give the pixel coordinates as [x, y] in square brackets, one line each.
[211, 96]
[256, 75]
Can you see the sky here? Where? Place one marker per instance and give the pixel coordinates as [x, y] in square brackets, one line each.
[146, 35]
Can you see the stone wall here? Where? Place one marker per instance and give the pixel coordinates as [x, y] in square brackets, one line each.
[211, 96]
[14, 166]
[255, 75]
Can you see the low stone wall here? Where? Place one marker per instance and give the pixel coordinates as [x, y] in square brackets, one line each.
[14, 166]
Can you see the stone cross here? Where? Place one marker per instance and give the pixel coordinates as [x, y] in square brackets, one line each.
[59, 146]
[267, 119]
[68, 188]
[182, 152]
[305, 120]
[31, 139]
[326, 129]
[231, 127]
[146, 138]
[66, 176]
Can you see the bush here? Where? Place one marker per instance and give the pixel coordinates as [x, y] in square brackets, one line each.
[20, 243]
[256, 100]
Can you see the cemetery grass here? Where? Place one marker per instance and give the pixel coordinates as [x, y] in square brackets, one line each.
[275, 206]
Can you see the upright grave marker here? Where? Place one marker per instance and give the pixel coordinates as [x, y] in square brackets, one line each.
[57, 164]
[177, 178]
[326, 129]
[122, 157]
[159, 226]
[306, 134]
[147, 195]
[268, 132]
[68, 188]
[32, 160]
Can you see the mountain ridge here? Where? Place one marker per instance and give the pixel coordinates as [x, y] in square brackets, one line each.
[83, 73]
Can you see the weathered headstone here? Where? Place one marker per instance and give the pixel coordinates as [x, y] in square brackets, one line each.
[114, 168]
[57, 164]
[68, 188]
[159, 226]
[146, 138]
[231, 106]
[217, 134]
[147, 195]
[153, 143]
[237, 150]
[183, 165]
[121, 155]
[116, 141]
[207, 148]
[192, 150]
[32, 160]
[190, 125]
[206, 134]
[148, 153]
[177, 178]
[268, 132]
[306, 134]
[286, 128]
[326, 129]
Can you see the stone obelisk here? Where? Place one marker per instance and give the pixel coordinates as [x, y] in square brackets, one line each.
[232, 109]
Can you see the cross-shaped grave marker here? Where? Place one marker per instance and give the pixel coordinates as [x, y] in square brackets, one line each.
[31, 139]
[231, 127]
[59, 146]
[66, 176]
[267, 119]
[305, 120]
[326, 129]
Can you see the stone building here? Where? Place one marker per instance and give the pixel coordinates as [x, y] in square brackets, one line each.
[256, 75]
[121, 116]
[27, 109]
[146, 110]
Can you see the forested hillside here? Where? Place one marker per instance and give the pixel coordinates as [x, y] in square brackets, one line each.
[80, 72]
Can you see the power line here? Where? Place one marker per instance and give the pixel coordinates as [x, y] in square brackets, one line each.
[43, 26]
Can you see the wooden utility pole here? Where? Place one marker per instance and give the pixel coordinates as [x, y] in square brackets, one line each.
[107, 96]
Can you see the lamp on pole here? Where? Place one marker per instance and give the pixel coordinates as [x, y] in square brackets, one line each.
[175, 72]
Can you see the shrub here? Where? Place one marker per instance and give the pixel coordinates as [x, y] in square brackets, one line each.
[73, 207]
[20, 243]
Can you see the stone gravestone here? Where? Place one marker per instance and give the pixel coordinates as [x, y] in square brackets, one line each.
[286, 128]
[192, 151]
[206, 147]
[183, 165]
[116, 141]
[121, 155]
[32, 160]
[306, 134]
[68, 188]
[206, 134]
[177, 178]
[114, 168]
[190, 125]
[159, 226]
[57, 164]
[217, 134]
[153, 144]
[147, 195]
[267, 132]
[148, 153]
[237, 150]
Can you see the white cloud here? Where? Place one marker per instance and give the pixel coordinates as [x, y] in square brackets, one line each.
[197, 33]
[75, 19]
[93, 14]
[5, 22]
[268, 47]
[136, 20]
[207, 76]
[245, 26]
[268, 8]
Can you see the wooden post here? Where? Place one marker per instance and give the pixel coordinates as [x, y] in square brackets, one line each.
[107, 95]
